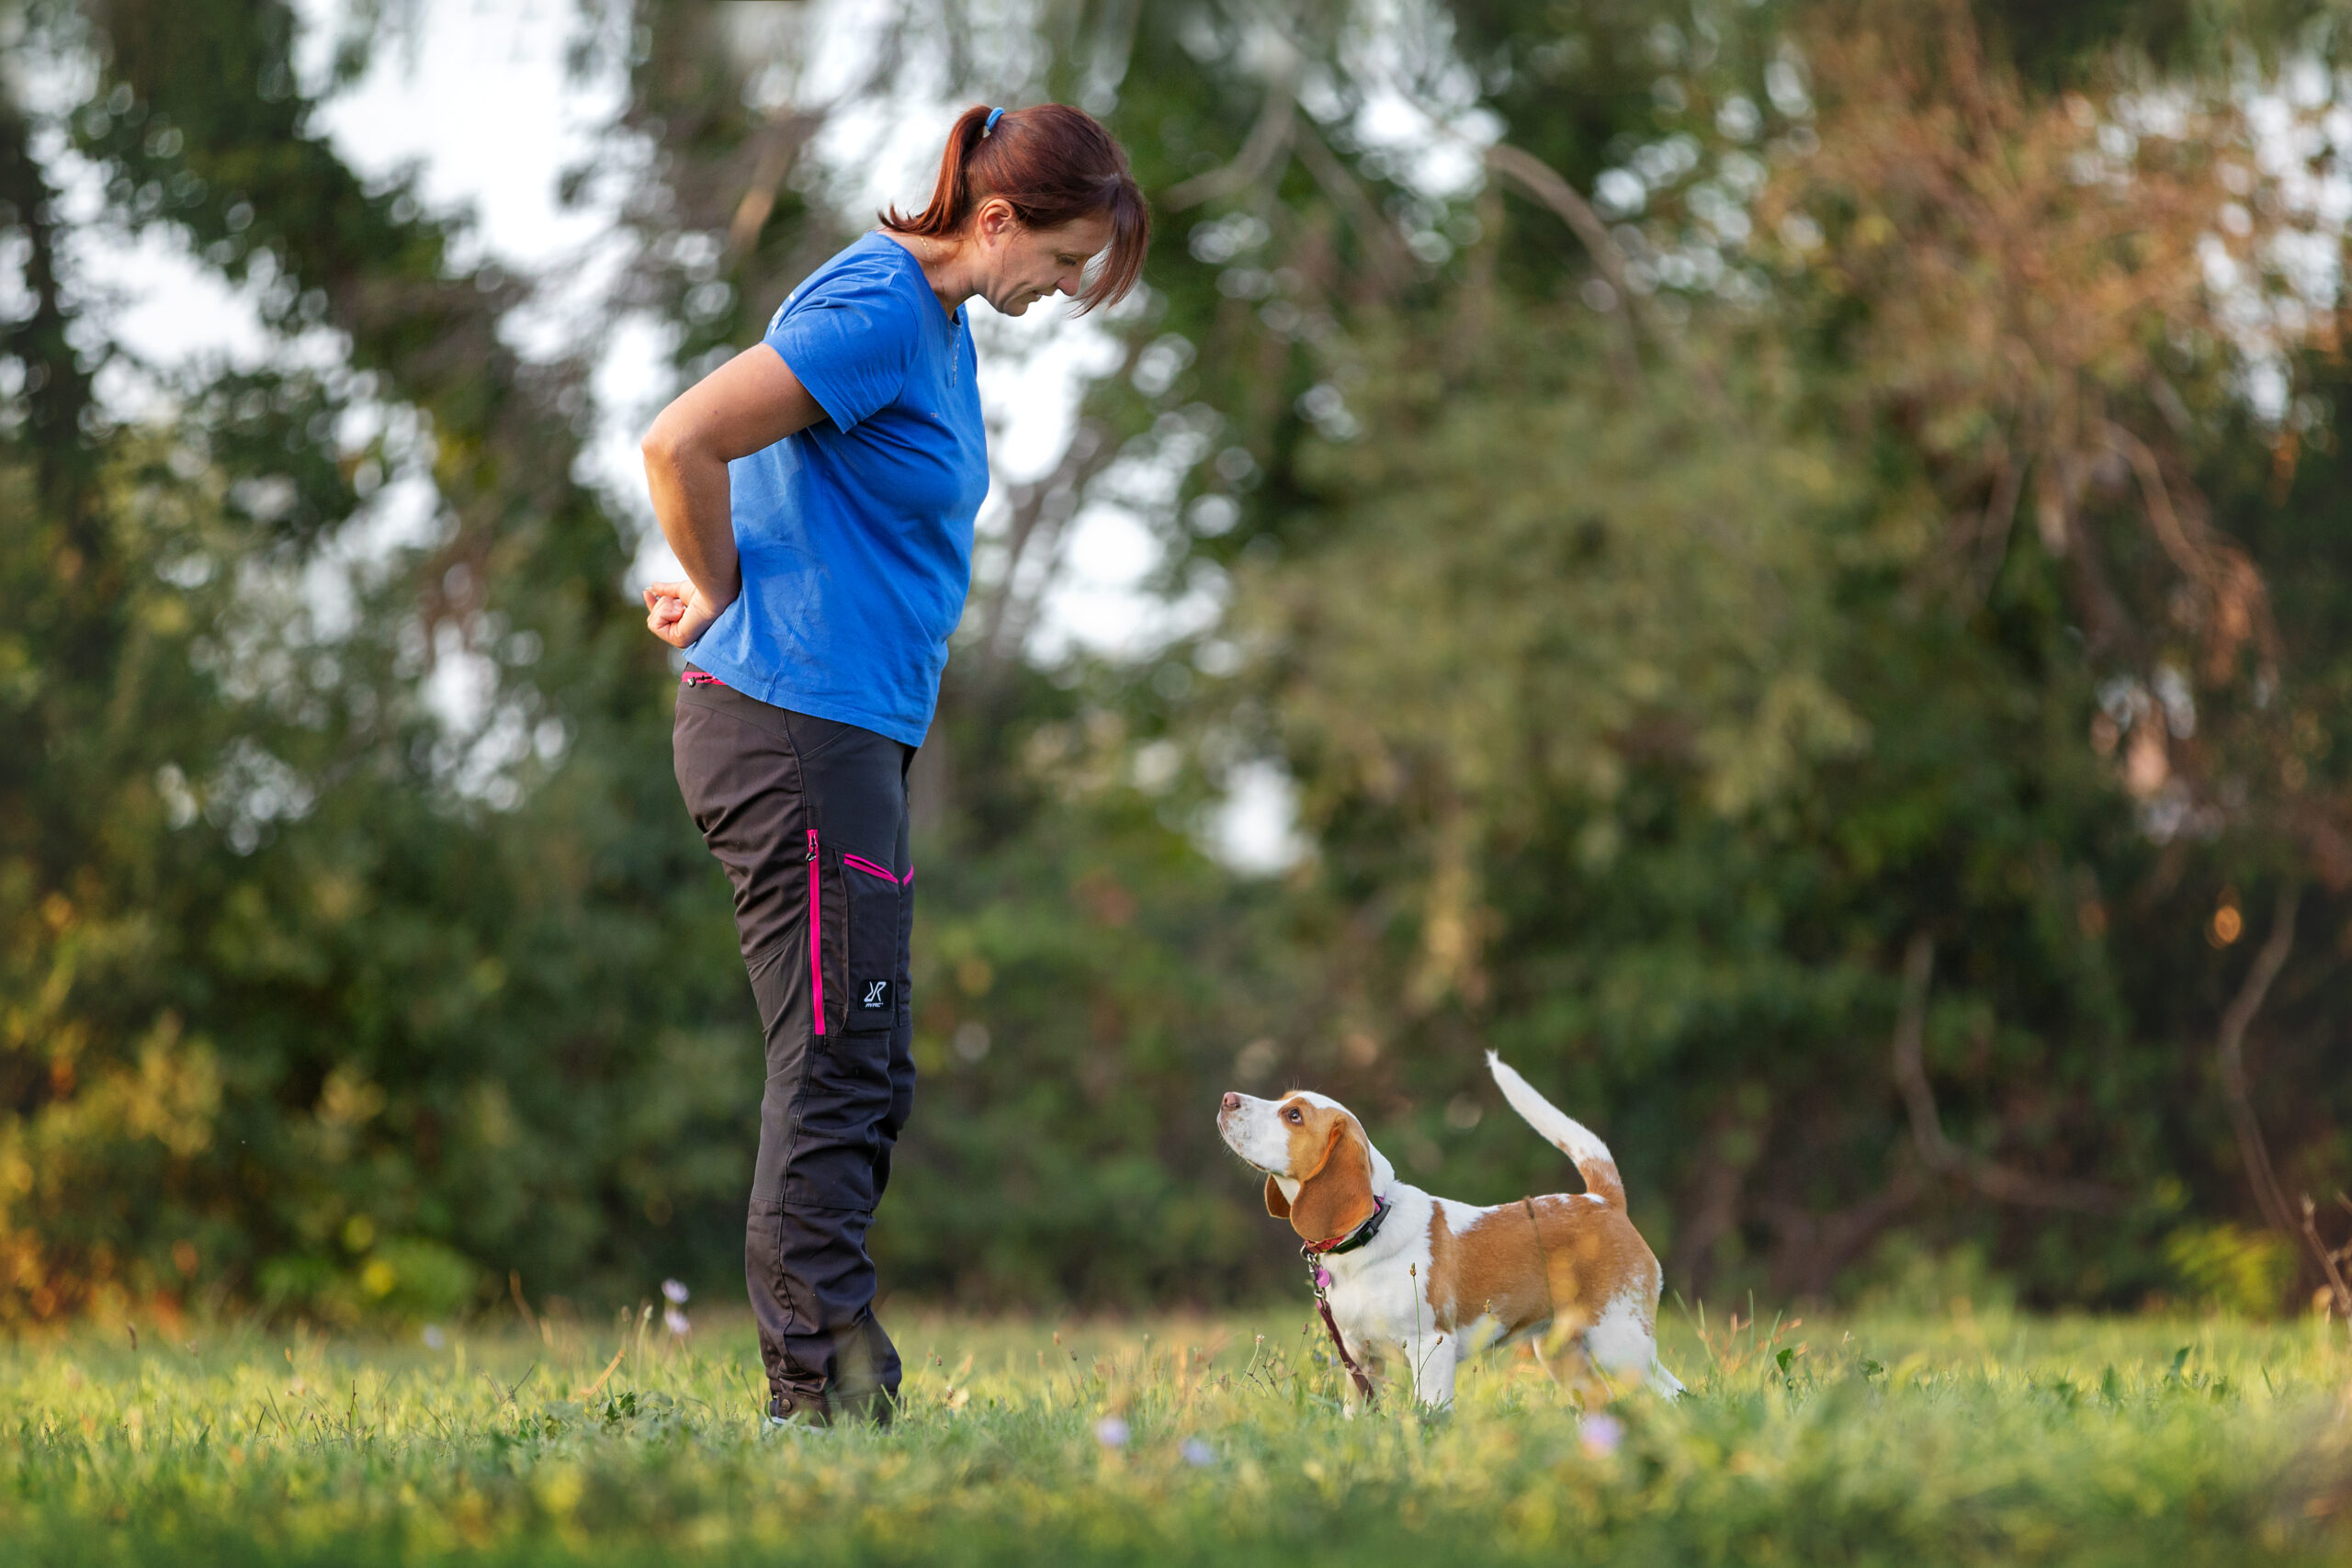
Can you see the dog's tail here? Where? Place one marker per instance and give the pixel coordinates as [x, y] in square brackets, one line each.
[1565, 1132]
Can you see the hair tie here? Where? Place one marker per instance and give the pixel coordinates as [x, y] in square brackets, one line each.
[994, 115]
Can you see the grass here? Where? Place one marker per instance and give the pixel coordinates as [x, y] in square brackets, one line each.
[1964, 1439]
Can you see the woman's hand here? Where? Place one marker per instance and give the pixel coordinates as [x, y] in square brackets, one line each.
[677, 613]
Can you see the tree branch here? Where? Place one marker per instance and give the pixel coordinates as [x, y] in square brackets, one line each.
[1991, 545]
[1995, 1182]
[2330, 1262]
[1540, 180]
[2215, 567]
[1380, 241]
[1264, 143]
[1007, 608]
[2229, 1052]
[1815, 1248]
[780, 142]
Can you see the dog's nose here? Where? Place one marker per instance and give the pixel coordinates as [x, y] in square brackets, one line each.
[1232, 1100]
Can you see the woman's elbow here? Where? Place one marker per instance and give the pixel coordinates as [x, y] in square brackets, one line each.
[666, 445]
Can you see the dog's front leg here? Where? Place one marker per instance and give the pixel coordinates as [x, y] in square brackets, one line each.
[1352, 1400]
[1433, 1361]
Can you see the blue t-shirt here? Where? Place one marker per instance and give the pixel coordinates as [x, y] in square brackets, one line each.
[855, 534]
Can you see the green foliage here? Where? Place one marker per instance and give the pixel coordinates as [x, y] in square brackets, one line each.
[1082, 975]
[1638, 724]
[2241, 1270]
[312, 998]
[1976, 1439]
[1629, 721]
[1643, 721]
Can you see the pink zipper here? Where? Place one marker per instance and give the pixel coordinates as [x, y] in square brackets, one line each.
[868, 867]
[816, 933]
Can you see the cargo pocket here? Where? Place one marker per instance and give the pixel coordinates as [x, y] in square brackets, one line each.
[875, 897]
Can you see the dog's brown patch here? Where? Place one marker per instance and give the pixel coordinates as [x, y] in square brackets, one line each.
[1562, 1264]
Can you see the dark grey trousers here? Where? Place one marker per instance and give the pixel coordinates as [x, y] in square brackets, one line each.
[809, 818]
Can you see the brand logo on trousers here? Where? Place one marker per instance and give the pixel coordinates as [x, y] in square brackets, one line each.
[877, 994]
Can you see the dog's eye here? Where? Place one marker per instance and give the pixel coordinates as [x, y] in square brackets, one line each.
[1293, 1117]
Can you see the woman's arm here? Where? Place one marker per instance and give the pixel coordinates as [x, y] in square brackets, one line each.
[752, 401]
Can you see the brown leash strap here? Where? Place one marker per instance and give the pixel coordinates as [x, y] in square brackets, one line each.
[1364, 1383]
[1318, 1280]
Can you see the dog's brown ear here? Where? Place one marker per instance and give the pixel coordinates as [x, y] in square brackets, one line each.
[1337, 1197]
[1276, 1205]
[1330, 1142]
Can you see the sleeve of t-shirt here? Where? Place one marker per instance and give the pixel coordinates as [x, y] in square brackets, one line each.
[850, 340]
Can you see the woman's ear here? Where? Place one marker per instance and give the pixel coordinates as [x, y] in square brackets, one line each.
[1337, 1198]
[996, 222]
[1276, 1205]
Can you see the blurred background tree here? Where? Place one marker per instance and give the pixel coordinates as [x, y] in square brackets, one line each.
[1785, 553]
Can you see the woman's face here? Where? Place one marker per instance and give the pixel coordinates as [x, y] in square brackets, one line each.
[1020, 265]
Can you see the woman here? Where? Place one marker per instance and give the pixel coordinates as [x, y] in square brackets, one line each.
[819, 489]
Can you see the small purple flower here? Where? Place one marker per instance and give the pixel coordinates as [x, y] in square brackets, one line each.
[433, 1338]
[675, 1321]
[675, 1291]
[1198, 1454]
[1601, 1435]
[1111, 1432]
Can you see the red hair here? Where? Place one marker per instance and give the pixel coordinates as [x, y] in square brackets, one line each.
[1053, 164]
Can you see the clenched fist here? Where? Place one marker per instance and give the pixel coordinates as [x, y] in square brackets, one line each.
[677, 613]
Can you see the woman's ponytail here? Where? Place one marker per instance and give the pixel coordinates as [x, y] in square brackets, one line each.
[951, 194]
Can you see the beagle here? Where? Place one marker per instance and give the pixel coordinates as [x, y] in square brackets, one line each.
[1428, 1280]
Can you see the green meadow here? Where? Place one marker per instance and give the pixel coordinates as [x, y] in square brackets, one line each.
[1968, 1438]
